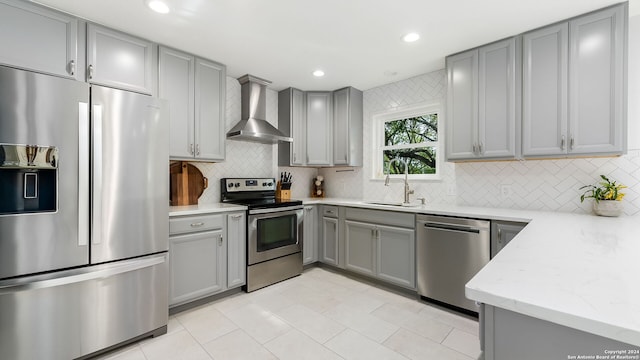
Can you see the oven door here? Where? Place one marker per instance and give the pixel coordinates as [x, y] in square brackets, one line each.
[273, 233]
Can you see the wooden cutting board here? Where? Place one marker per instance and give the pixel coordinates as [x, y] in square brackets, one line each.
[186, 182]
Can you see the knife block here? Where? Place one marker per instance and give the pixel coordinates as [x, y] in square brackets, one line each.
[283, 191]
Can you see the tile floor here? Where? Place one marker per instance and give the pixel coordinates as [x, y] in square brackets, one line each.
[318, 315]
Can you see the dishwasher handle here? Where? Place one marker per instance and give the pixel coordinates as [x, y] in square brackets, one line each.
[452, 227]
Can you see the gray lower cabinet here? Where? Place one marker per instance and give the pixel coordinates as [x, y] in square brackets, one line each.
[39, 39]
[330, 235]
[207, 255]
[310, 235]
[236, 250]
[502, 232]
[573, 86]
[119, 60]
[501, 339]
[381, 244]
[482, 102]
[196, 89]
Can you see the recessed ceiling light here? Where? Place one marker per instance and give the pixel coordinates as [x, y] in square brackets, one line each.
[158, 6]
[318, 73]
[411, 37]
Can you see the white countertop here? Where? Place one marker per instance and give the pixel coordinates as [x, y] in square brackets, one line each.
[204, 209]
[580, 271]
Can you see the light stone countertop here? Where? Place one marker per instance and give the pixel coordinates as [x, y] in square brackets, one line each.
[580, 271]
[204, 209]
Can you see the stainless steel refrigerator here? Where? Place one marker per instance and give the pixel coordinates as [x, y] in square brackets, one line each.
[83, 216]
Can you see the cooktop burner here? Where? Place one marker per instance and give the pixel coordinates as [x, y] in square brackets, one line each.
[255, 193]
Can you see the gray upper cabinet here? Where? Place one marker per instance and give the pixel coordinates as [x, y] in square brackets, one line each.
[347, 127]
[38, 39]
[196, 91]
[319, 128]
[573, 86]
[120, 60]
[462, 104]
[596, 82]
[482, 102]
[292, 118]
[210, 102]
[544, 91]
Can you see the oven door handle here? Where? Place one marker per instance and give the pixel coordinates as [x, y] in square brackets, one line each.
[276, 210]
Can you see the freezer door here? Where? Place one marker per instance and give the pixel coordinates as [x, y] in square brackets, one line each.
[67, 314]
[130, 173]
[43, 111]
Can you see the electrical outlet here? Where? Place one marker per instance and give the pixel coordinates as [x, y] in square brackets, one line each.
[451, 190]
[506, 191]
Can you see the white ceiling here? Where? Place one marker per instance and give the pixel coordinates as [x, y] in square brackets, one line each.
[356, 42]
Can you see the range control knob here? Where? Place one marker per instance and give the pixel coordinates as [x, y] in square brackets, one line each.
[264, 184]
[270, 184]
[230, 185]
[237, 184]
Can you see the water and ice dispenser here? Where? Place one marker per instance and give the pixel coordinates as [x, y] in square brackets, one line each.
[28, 179]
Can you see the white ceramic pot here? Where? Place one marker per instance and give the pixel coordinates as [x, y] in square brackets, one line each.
[608, 207]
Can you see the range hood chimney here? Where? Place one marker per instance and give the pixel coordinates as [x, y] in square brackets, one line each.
[253, 125]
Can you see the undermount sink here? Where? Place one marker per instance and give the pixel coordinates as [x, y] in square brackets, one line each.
[389, 203]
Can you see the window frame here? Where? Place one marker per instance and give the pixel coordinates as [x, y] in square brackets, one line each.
[399, 113]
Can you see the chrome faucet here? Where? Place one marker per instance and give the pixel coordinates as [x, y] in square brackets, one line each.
[407, 192]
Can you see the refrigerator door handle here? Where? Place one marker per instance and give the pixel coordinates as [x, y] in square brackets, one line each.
[83, 174]
[79, 275]
[96, 217]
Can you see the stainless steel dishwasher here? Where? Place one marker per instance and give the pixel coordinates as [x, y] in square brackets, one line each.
[450, 251]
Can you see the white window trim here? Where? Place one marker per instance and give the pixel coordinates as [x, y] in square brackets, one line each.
[378, 119]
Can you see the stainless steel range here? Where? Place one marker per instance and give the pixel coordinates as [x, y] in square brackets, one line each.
[274, 230]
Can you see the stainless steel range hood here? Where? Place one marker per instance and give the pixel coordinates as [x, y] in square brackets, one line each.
[253, 125]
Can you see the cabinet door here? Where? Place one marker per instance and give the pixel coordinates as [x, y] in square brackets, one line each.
[210, 101]
[119, 60]
[236, 250]
[360, 247]
[319, 126]
[462, 105]
[298, 127]
[396, 256]
[39, 39]
[544, 91]
[341, 130]
[596, 83]
[310, 242]
[195, 263]
[330, 241]
[502, 232]
[497, 100]
[176, 84]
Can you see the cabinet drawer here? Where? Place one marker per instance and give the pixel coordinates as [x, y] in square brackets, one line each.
[381, 217]
[187, 224]
[330, 211]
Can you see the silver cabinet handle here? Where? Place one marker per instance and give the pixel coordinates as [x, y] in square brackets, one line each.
[90, 71]
[72, 67]
[571, 143]
[294, 157]
[500, 236]
[220, 241]
[197, 149]
[474, 148]
[562, 143]
[236, 216]
[480, 152]
[191, 149]
[198, 224]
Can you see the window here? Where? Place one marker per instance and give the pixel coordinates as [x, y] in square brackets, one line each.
[411, 136]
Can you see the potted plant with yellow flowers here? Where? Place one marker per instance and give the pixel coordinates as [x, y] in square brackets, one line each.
[606, 195]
